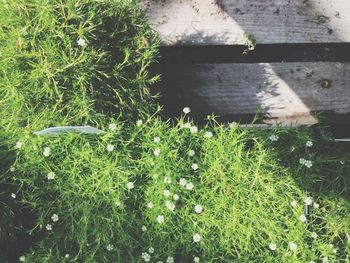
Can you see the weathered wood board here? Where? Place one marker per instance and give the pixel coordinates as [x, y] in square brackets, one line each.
[287, 92]
[223, 22]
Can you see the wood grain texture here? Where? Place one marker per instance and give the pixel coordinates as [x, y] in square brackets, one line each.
[286, 92]
[223, 22]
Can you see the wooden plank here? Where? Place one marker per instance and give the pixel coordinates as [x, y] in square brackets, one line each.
[223, 22]
[286, 92]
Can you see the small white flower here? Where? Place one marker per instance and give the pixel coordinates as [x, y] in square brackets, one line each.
[314, 235]
[208, 134]
[176, 197]
[160, 219]
[66, 255]
[193, 129]
[198, 209]
[54, 217]
[182, 182]
[196, 259]
[12, 169]
[49, 227]
[150, 205]
[110, 247]
[293, 203]
[81, 42]
[130, 185]
[47, 151]
[292, 246]
[22, 258]
[139, 122]
[197, 238]
[144, 228]
[191, 153]
[156, 152]
[308, 200]
[316, 205]
[170, 205]
[151, 250]
[167, 180]
[308, 164]
[146, 257]
[112, 127]
[274, 138]
[19, 145]
[110, 147]
[166, 193]
[309, 144]
[232, 125]
[292, 149]
[341, 162]
[302, 218]
[189, 186]
[170, 260]
[186, 125]
[156, 139]
[194, 166]
[51, 176]
[186, 110]
[13, 195]
[273, 246]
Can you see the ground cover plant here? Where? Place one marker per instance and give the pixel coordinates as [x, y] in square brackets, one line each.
[148, 190]
[153, 192]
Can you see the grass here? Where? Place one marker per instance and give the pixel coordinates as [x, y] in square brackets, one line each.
[150, 191]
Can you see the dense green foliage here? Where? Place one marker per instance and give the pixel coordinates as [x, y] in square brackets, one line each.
[147, 190]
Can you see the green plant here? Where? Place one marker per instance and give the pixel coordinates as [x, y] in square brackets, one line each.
[243, 190]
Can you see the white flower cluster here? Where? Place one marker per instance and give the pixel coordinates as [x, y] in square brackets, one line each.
[160, 219]
[186, 110]
[110, 147]
[306, 163]
[112, 127]
[47, 151]
[292, 246]
[191, 153]
[187, 125]
[194, 167]
[170, 205]
[197, 238]
[81, 42]
[273, 246]
[54, 217]
[146, 257]
[130, 185]
[19, 145]
[198, 209]
[156, 152]
[208, 134]
[188, 185]
[51, 176]
[274, 138]
[110, 247]
[309, 144]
